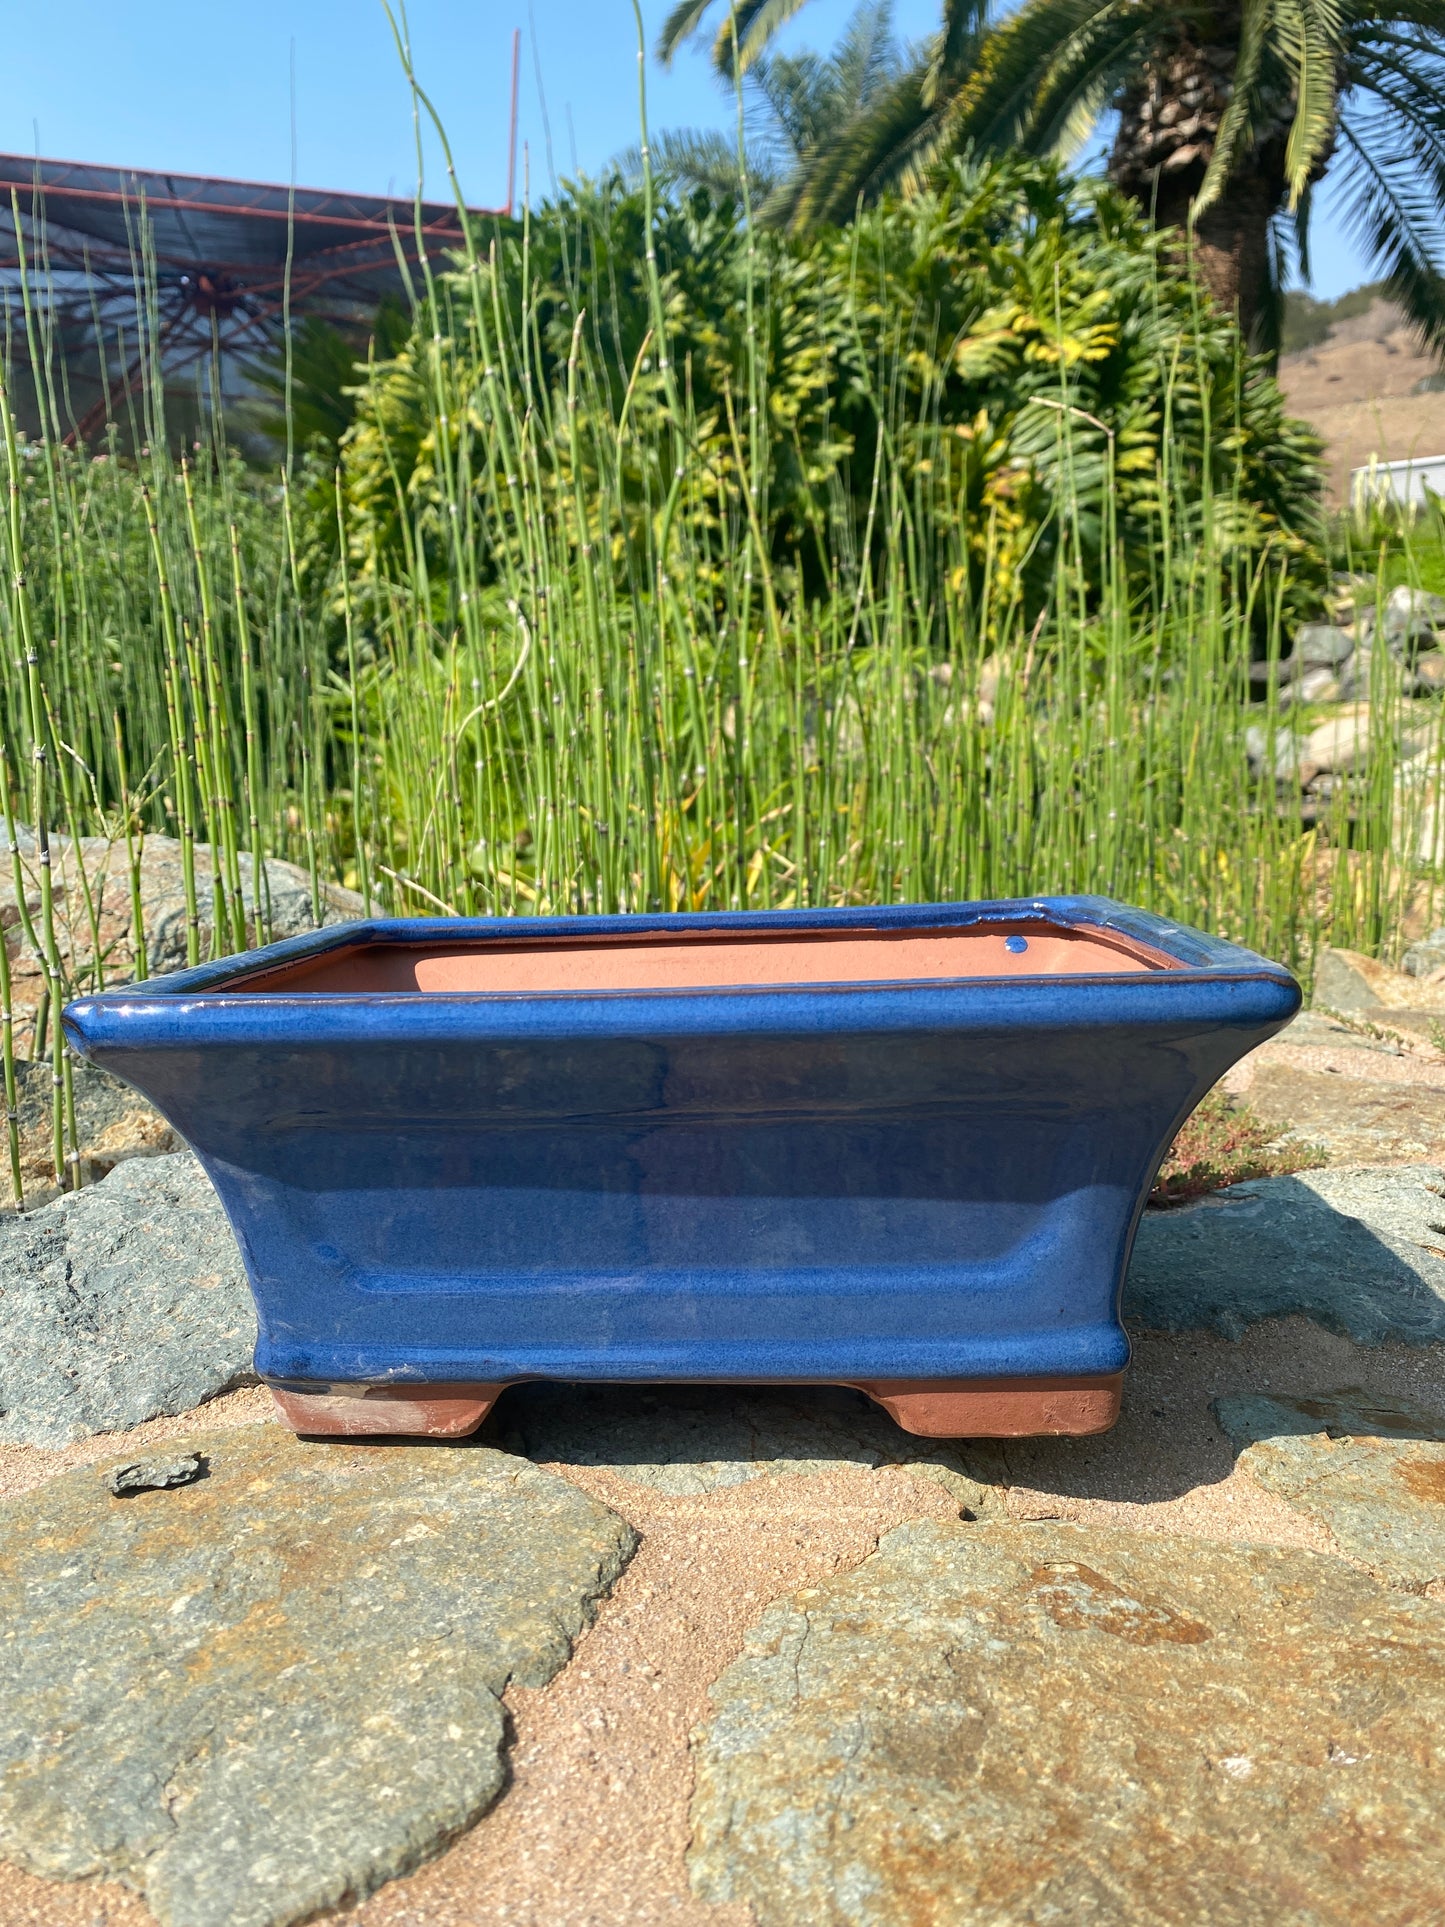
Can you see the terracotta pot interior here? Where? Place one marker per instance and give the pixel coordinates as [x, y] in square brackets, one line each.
[711, 959]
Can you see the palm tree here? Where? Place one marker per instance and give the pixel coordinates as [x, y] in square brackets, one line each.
[1229, 115]
[793, 104]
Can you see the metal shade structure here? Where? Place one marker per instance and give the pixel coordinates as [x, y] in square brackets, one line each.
[198, 264]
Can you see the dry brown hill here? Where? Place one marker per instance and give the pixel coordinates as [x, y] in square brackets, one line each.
[1368, 390]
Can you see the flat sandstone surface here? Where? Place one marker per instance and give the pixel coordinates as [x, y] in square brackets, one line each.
[1051, 1722]
[595, 1826]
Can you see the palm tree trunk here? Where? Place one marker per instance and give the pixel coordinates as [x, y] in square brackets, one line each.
[1231, 241]
[1168, 121]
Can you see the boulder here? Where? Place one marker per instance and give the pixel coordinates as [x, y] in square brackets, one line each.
[1323, 645]
[120, 1303]
[98, 866]
[259, 1693]
[1410, 618]
[1352, 596]
[1283, 671]
[1046, 1723]
[112, 1122]
[1278, 753]
[1341, 743]
[1356, 1250]
[1361, 986]
[1317, 686]
[1353, 1120]
[1349, 981]
[1370, 1468]
[1425, 957]
[286, 908]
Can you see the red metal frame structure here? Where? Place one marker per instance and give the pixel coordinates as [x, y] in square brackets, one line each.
[214, 263]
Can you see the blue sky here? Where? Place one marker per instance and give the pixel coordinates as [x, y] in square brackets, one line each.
[206, 89]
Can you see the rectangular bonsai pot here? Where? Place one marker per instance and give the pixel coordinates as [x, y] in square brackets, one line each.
[901, 1149]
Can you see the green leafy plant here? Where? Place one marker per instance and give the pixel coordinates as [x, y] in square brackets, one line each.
[997, 343]
[1223, 1142]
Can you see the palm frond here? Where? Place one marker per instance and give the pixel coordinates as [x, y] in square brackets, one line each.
[746, 30]
[1397, 219]
[955, 46]
[797, 101]
[1314, 46]
[703, 158]
[867, 56]
[1238, 123]
[682, 24]
[886, 146]
[1303, 208]
[1025, 74]
[1087, 77]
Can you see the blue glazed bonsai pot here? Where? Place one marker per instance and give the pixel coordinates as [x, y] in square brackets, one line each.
[901, 1149]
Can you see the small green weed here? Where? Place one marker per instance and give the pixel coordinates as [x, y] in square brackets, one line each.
[1224, 1142]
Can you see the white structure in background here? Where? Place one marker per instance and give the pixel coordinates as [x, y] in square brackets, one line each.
[1404, 482]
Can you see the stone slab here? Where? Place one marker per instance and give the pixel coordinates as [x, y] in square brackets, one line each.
[1355, 1120]
[263, 1693]
[1370, 1468]
[685, 1440]
[119, 1303]
[989, 1724]
[1359, 1250]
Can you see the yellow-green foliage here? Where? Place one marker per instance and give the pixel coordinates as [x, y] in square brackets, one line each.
[1000, 330]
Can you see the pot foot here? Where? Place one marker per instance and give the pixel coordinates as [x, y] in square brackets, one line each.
[999, 1408]
[387, 1411]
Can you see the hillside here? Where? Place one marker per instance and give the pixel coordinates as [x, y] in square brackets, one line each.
[1368, 389]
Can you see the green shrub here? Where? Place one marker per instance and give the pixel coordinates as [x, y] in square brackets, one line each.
[1007, 327]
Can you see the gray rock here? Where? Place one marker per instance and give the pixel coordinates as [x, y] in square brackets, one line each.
[1346, 980]
[1358, 1251]
[1047, 1725]
[1317, 686]
[265, 1693]
[155, 1475]
[1354, 676]
[286, 906]
[91, 877]
[1411, 617]
[1355, 1120]
[1281, 672]
[1370, 1468]
[1346, 741]
[1284, 761]
[1323, 645]
[1424, 958]
[119, 1303]
[687, 1440]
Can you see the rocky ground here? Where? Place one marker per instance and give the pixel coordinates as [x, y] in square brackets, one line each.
[729, 1657]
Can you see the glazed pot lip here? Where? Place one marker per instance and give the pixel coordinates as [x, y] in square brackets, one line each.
[1156, 950]
[1203, 979]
